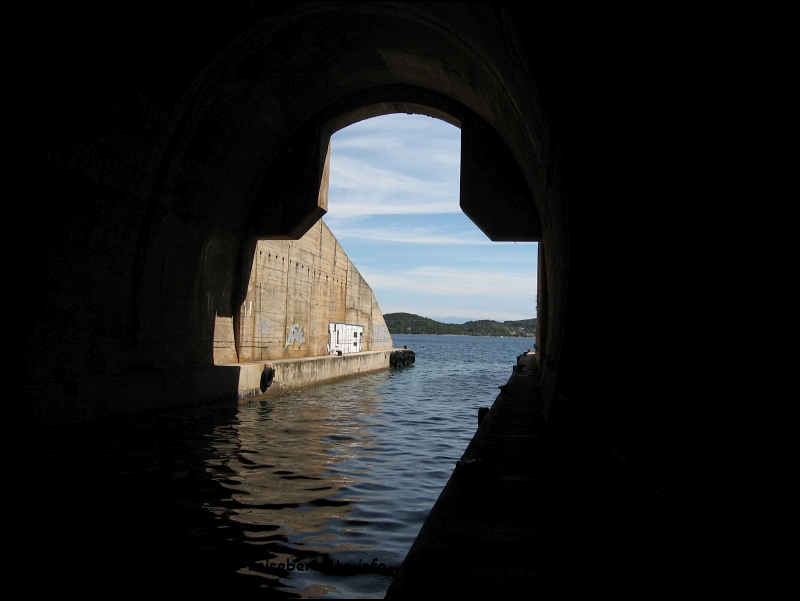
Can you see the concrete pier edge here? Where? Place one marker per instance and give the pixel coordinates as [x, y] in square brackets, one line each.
[544, 507]
[73, 400]
[305, 372]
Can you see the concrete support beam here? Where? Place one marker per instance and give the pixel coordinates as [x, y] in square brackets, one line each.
[494, 193]
[294, 194]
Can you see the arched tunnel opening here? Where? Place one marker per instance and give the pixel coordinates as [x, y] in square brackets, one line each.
[168, 145]
[430, 255]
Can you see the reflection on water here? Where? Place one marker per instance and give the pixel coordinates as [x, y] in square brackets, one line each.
[292, 496]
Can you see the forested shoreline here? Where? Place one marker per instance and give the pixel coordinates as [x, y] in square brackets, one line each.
[408, 323]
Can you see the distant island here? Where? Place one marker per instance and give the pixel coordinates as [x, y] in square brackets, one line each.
[408, 323]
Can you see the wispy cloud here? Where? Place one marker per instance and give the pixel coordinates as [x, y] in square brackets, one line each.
[394, 207]
[450, 281]
[358, 189]
[418, 235]
[395, 165]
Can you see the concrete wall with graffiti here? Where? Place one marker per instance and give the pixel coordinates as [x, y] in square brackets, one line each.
[296, 290]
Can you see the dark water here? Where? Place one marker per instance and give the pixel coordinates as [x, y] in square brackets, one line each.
[325, 478]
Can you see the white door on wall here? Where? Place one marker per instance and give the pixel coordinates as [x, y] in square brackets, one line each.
[345, 337]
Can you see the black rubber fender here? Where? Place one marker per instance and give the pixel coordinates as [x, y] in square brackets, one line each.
[266, 378]
[401, 358]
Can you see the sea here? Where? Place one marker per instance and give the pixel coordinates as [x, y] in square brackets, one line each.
[316, 493]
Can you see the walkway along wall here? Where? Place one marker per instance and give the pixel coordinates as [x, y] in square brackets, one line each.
[260, 379]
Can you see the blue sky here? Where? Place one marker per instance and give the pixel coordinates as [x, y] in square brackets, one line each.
[393, 206]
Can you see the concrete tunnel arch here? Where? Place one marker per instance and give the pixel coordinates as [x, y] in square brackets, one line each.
[148, 144]
[248, 153]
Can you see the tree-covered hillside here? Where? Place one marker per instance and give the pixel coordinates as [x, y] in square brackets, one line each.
[408, 323]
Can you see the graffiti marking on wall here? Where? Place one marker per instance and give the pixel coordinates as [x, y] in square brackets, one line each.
[295, 335]
[264, 325]
[380, 336]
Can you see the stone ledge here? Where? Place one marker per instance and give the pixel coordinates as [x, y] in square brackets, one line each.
[303, 372]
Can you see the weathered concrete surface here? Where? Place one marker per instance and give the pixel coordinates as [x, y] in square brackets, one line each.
[296, 288]
[309, 371]
[306, 284]
[538, 507]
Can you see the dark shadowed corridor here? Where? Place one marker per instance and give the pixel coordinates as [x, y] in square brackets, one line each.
[158, 146]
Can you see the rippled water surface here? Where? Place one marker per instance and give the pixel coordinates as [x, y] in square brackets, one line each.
[339, 474]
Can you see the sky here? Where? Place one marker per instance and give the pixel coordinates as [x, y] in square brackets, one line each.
[393, 206]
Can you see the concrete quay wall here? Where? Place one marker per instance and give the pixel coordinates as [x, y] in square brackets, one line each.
[300, 295]
[72, 401]
[310, 371]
